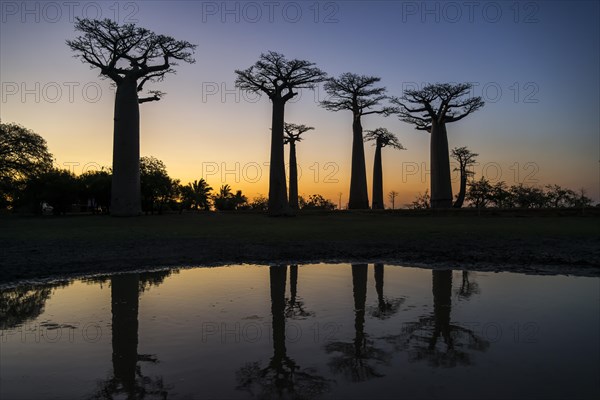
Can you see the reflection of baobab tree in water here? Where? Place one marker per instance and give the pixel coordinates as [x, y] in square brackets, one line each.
[356, 359]
[386, 307]
[421, 339]
[295, 305]
[468, 287]
[24, 303]
[128, 379]
[282, 377]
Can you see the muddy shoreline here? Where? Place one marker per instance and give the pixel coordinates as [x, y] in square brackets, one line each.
[52, 258]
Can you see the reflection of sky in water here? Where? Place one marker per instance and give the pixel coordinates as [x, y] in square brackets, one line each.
[346, 331]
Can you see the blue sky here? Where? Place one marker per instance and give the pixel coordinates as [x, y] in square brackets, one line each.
[535, 64]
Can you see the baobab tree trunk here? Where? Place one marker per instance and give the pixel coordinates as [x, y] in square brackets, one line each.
[125, 190]
[441, 187]
[278, 202]
[460, 199]
[293, 200]
[359, 199]
[377, 181]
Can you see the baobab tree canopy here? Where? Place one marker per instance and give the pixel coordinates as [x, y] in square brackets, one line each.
[131, 56]
[437, 103]
[277, 76]
[128, 51]
[383, 138]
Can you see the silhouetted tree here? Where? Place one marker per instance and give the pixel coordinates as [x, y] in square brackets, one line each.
[196, 195]
[293, 134]
[278, 78]
[430, 109]
[392, 196]
[225, 200]
[382, 138]
[23, 155]
[316, 202]
[421, 202]
[58, 187]
[96, 189]
[479, 192]
[157, 188]
[467, 287]
[131, 56]
[357, 94]
[465, 158]
[259, 203]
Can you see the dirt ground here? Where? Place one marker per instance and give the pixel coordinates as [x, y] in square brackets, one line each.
[45, 248]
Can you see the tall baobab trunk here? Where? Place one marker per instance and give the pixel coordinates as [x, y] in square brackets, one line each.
[377, 180]
[379, 286]
[441, 187]
[359, 199]
[441, 282]
[460, 199]
[278, 202]
[293, 200]
[124, 306]
[125, 191]
[359, 289]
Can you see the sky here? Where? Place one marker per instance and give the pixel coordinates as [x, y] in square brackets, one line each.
[534, 63]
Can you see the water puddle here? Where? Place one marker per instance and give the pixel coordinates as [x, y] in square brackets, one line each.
[309, 331]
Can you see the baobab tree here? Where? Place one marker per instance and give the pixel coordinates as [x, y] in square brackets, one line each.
[278, 78]
[392, 196]
[382, 138]
[430, 109]
[131, 56]
[356, 93]
[465, 158]
[293, 134]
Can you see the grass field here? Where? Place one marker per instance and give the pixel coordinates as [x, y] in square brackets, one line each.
[34, 247]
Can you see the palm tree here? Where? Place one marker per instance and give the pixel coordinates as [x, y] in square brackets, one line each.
[293, 134]
[200, 194]
[382, 138]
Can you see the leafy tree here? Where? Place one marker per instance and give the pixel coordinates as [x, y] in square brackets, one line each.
[527, 196]
[157, 188]
[382, 138]
[500, 196]
[430, 109]
[131, 57]
[293, 134]
[465, 158]
[278, 78]
[559, 197]
[357, 93]
[479, 192]
[96, 189]
[318, 202]
[392, 196]
[259, 203]
[422, 201]
[23, 155]
[59, 188]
